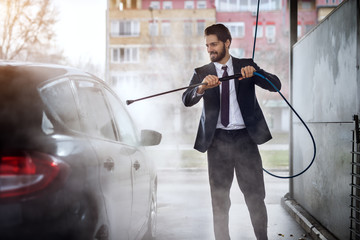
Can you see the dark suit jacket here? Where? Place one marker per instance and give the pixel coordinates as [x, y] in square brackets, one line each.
[245, 90]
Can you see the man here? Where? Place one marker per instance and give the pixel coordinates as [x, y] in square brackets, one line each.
[231, 126]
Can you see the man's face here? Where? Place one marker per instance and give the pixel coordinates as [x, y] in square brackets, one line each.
[216, 48]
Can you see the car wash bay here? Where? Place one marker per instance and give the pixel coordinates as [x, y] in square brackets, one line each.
[185, 213]
[325, 92]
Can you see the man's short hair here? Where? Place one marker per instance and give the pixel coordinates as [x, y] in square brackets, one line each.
[220, 31]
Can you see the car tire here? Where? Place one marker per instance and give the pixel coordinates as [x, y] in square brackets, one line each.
[151, 231]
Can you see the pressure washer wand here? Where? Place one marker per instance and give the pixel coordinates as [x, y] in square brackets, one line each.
[128, 102]
[227, 78]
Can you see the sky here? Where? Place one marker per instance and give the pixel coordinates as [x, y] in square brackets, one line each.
[81, 29]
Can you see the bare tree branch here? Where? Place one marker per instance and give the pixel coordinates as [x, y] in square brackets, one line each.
[28, 30]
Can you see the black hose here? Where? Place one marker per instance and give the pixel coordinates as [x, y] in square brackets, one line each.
[312, 138]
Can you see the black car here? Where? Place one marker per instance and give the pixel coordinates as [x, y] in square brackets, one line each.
[72, 165]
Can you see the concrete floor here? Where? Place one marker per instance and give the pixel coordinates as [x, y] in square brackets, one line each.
[184, 209]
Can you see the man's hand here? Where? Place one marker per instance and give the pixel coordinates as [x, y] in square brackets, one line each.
[211, 82]
[247, 72]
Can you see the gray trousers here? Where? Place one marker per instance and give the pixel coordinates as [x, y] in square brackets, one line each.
[234, 150]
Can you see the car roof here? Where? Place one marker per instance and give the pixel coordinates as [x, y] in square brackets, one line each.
[40, 72]
[21, 108]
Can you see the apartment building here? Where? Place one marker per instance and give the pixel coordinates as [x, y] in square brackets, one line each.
[153, 46]
[146, 38]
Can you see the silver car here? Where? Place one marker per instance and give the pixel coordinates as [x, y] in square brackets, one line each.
[72, 165]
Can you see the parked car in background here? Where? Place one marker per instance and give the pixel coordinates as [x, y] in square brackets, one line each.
[72, 165]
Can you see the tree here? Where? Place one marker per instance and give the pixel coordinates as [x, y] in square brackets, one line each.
[27, 31]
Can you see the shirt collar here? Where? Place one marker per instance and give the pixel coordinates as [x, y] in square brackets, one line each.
[228, 64]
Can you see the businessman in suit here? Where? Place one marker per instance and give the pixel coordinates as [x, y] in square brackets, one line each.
[231, 126]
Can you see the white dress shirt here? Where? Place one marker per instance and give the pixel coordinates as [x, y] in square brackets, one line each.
[236, 120]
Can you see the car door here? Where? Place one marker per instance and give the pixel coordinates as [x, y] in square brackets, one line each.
[140, 170]
[115, 162]
[61, 120]
[141, 194]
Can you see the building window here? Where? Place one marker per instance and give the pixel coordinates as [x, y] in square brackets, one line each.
[259, 31]
[233, 4]
[155, 4]
[167, 5]
[270, 33]
[247, 5]
[237, 29]
[269, 5]
[201, 4]
[121, 6]
[189, 5]
[306, 5]
[125, 55]
[237, 52]
[165, 28]
[244, 5]
[153, 28]
[188, 28]
[299, 32]
[200, 27]
[125, 28]
[223, 5]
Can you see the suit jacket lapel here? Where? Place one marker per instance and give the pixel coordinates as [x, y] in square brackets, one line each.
[237, 68]
[212, 71]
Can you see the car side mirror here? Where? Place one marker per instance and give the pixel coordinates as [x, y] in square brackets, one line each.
[150, 137]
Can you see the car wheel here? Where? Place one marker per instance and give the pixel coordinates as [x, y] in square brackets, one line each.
[151, 231]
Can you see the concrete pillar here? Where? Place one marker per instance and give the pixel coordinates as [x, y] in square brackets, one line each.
[293, 12]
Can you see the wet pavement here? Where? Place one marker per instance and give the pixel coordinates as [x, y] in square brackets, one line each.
[184, 209]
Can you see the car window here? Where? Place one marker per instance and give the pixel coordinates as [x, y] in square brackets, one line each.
[94, 112]
[123, 120]
[46, 125]
[59, 98]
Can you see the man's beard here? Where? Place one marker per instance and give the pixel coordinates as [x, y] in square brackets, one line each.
[219, 56]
